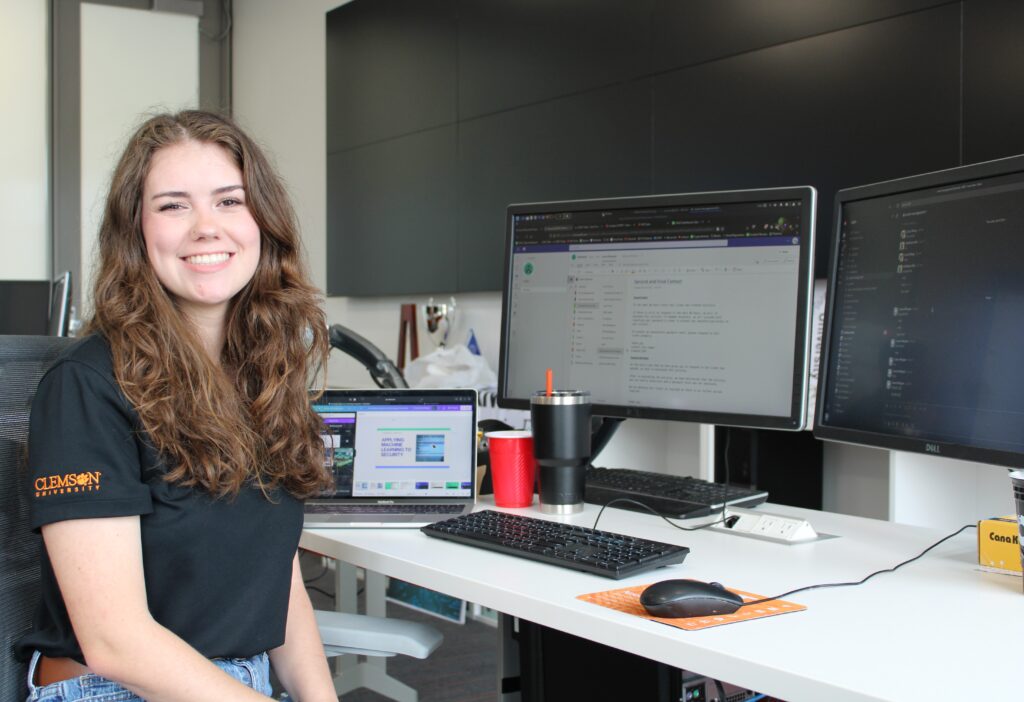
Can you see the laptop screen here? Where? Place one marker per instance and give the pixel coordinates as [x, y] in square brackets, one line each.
[399, 443]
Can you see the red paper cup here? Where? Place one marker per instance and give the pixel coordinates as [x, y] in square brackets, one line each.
[513, 467]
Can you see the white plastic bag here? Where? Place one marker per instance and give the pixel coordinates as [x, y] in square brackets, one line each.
[450, 367]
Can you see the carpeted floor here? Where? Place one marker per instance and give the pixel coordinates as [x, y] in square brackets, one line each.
[463, 669]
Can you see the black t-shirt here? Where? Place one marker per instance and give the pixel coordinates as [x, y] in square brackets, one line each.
[217, 571]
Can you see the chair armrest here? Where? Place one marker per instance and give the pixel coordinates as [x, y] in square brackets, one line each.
[366, 635]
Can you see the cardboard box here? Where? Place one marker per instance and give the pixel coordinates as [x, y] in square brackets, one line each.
[999, 545]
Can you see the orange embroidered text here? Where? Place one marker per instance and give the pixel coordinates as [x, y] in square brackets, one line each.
[85, 481]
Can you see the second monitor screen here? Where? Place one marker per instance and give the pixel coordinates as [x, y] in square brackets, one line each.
[690, 305]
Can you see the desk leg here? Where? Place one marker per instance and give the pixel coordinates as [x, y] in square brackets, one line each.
[509, 679]
[354, 672]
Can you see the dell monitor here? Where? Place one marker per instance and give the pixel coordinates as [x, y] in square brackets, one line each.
[690, 307]
[925, 316]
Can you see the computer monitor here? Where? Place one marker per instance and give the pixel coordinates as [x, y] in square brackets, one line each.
[60, 306]
[691, 307]
[925, 317]
[24, 306]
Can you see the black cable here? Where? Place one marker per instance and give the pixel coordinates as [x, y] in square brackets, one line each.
[321, 574]
[721, 519]
[654, 512]
[306, 555]
[721, 690]
[725, 485]
[331, 594]
[866, 578]
[323, 592]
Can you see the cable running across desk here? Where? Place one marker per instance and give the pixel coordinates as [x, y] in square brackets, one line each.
[602, 553]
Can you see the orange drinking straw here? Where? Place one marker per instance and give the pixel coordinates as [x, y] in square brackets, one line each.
[548, 382]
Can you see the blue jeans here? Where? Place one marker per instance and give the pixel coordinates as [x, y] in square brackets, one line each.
[254, 672]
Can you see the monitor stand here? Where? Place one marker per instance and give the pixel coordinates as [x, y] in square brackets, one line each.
[602, 429]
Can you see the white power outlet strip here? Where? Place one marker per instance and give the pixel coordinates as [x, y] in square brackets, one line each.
[767, 526]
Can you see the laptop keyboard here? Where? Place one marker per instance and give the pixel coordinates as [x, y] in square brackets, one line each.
[327, 508]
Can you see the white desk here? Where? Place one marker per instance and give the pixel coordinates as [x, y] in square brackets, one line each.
[936, 629]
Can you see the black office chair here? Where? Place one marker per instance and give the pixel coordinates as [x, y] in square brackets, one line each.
[381, 368]
[23, 362]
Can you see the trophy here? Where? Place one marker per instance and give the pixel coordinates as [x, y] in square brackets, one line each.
[439, 319]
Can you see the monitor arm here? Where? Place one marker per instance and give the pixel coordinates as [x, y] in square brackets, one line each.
[602, 429]
[381, 369]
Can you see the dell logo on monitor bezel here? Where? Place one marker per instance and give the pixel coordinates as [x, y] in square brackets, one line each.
[933, 448]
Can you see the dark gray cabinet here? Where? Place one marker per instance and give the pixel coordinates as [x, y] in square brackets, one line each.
[588, 145]
[391, 216]
[514, 53]
[443, 112]
[391, 70]
[783, 116]
[689, 32]
[993, 79]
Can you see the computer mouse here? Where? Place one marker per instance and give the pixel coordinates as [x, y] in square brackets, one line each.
[688, 598]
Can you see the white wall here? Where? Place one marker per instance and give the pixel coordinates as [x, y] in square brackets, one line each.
[24, 135]
[157, 55]
[856, 480]
[113, 43]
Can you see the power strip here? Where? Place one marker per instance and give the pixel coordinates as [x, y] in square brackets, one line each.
[767, 526]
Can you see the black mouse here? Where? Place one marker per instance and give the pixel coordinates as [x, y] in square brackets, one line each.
[688, 598]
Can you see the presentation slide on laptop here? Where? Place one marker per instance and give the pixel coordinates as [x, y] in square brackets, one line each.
[400, 451]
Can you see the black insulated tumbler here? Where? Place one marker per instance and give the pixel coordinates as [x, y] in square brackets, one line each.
[561, 444]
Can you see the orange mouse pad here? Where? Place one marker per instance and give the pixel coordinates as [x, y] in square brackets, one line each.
[627, 600]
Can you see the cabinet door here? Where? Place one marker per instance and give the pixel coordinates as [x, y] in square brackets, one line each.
[696, 31]
[590, 145]
[390, 69]
[856, 106]
[993, 79]
[520, 52]
[391, 216]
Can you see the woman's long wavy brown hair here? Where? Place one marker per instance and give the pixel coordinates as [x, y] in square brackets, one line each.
[248, 419]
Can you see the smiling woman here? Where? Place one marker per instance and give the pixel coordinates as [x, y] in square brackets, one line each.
[201, 239]
[180, 330]
[170, 448]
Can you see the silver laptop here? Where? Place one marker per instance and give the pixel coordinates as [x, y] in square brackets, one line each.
[400, 458]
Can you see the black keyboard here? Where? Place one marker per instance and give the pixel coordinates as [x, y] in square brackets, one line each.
[668, 495]
[580, 548]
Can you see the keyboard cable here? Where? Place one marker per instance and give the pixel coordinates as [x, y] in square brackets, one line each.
[721, 519]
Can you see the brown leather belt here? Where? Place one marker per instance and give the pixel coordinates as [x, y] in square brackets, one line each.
[54, 670]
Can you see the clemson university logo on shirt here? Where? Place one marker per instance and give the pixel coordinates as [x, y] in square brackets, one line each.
[85, 481]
